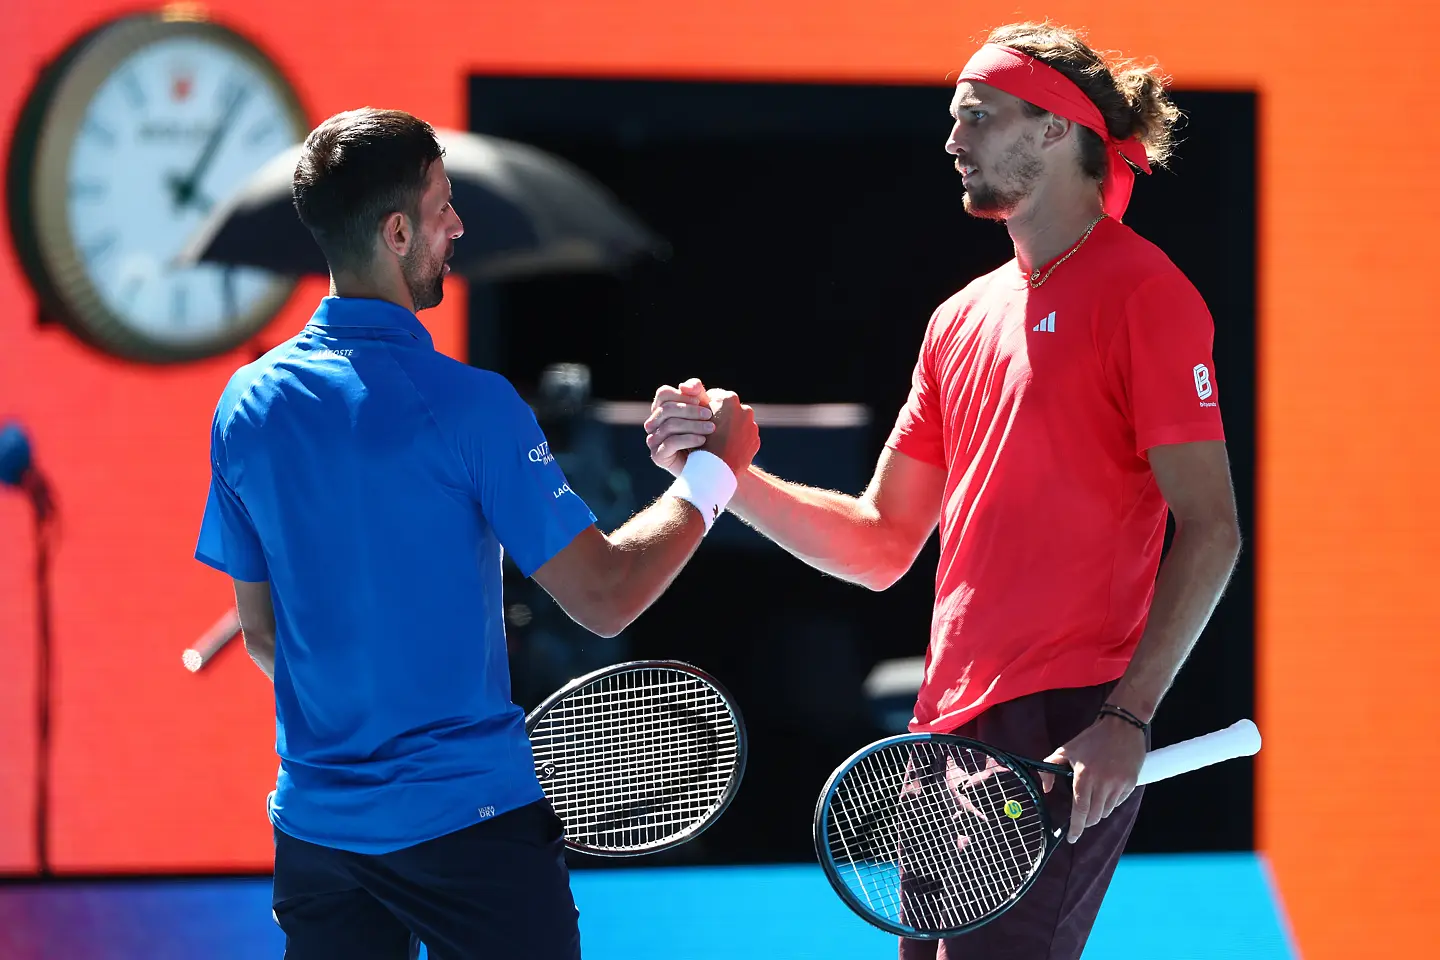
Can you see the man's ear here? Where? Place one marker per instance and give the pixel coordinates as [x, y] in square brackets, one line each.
[1056, 128]
[397, 233]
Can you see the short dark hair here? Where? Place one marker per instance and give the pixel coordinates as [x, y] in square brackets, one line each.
[354, 170]
[1131, 97]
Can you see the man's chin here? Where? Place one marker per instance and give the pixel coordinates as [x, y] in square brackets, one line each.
[432, 297]
[984, 206]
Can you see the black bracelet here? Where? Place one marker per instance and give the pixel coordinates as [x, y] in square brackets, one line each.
[1110, 710]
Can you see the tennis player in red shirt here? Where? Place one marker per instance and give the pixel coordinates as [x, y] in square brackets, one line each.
[1059, 406]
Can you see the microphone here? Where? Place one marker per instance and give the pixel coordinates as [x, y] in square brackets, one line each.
[14, 455]
[18, 470]
[200, 652]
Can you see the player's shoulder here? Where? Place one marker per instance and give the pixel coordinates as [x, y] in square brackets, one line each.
[997, 281]
[451, 378]
[1133, 263]
[955, 308]
[459, 392]
[241, 389]
[1137, 285]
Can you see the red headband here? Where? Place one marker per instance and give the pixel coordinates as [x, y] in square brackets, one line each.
[1027, 78]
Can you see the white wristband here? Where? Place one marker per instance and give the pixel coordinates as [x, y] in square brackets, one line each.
[707, 482]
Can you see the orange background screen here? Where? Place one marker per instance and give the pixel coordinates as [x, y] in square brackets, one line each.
[158, 770]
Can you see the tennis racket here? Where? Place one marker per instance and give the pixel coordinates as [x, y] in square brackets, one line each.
[928, 836]
[638, 757]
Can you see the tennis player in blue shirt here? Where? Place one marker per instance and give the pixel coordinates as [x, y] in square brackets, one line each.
[362, 489]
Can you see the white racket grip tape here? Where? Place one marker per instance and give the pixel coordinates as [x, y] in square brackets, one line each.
[224, 630]
[1240, 739]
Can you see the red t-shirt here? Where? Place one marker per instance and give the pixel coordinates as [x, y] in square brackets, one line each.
[1040, 406]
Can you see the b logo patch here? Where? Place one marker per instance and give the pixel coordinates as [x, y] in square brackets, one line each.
[1202, 381]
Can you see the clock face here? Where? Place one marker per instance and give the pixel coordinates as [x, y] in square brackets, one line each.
[131, 138]
[172, 131]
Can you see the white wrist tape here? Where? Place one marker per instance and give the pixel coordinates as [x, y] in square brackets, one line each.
[707, 482]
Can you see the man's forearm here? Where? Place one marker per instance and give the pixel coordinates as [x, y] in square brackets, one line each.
[1191, 580]
[262, 651]
[838, 534]
[649, 552]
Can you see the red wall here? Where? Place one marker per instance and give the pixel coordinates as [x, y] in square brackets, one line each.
[160, 770]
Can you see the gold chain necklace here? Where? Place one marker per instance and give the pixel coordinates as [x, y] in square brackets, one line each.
[1036, 280]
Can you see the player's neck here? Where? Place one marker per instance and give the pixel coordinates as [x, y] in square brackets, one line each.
[344, 284]
[1043, 227]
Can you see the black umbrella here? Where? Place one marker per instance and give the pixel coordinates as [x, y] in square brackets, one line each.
[526, 212]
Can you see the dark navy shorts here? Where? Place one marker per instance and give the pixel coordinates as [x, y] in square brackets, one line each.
[499, 890]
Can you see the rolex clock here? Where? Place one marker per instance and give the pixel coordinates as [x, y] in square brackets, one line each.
[128, 139]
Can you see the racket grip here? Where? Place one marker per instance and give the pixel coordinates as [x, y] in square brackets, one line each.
[1240, 739]
[200, 652]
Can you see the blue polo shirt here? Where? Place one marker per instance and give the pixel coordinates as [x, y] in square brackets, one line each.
[374, 483]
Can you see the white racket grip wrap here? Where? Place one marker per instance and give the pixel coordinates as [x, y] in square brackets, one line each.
[1240, 739]
[224, 630]
[707, 482]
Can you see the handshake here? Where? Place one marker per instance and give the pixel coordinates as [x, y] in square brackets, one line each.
[689, 417]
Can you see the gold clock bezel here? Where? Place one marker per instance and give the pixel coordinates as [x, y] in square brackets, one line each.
[58, 272]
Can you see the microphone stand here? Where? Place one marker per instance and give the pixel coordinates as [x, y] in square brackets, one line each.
[43, 510]
[19, 471]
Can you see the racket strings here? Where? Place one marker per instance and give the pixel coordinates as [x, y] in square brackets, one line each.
[634, 760]
[933, 835]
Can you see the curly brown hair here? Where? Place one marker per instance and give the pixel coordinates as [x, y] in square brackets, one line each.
[1131, 96]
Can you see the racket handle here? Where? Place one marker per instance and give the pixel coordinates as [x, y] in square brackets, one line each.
[224, 630]
[1240, 739]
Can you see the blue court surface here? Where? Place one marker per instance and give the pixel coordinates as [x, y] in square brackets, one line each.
[1190, 907]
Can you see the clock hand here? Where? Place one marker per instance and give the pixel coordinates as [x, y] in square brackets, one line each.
[187, 187]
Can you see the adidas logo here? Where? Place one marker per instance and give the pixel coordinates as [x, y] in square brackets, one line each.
[1045, 326]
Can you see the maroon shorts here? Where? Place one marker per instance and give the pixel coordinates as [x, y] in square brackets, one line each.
[1053, 919]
